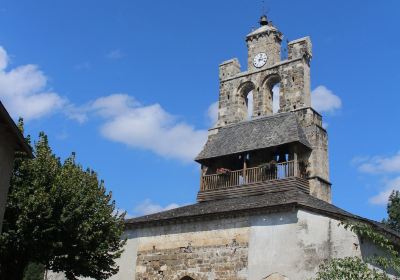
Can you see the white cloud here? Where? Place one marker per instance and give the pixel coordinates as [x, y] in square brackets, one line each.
[382, 197]
[148, 127]
[114, 105]
[324, 100]
[147, 207]
[115, 54]
[379, 164]
[212, 113]
[386, 167]
[24, 90]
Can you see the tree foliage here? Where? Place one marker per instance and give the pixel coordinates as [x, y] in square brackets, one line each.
[355, 267]
[34, 271]
[61, 216]
[393, 210]
[349, 268]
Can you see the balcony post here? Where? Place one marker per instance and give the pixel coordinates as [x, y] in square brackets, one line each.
[201, 178]
[296, 165]
[244, 169]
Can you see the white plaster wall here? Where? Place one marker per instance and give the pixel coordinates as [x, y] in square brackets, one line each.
[271, 244]
[127, 261]
[293, 244]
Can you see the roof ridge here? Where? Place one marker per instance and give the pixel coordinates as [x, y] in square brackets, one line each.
[257, 119]
[281, 199]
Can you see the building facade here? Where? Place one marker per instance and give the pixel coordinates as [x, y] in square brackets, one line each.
[264, 207]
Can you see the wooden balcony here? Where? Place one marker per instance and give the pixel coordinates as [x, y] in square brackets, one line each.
[251, 181]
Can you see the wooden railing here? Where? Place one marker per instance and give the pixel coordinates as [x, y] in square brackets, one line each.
[251, 175]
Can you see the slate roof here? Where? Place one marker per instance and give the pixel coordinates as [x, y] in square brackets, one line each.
[271, 201]
[262, 29]
[256, 134]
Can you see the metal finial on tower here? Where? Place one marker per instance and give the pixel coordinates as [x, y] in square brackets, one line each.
[263, 7]
[263, 20]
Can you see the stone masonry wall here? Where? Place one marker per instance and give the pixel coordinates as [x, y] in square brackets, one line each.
[215, 249]
[294, 96]
[266, 42]
[201, 263]
[318, 168]
[293, 75]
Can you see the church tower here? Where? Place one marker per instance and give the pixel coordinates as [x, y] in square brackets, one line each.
[264, 46]
[264, 207]
[268, 152]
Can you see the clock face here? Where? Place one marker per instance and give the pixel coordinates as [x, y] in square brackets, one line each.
[259, 60]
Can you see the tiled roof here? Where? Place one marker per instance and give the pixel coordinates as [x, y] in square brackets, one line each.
[273, 201]
[256, 134]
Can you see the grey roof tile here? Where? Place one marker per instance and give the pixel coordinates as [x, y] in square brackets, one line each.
[279, 200]
[256, 134]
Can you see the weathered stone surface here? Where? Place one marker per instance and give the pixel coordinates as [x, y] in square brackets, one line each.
[289, 244]
[204, 262]
[293, 77]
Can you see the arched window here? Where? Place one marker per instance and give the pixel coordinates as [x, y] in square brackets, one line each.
[275, 98]
[245, 100]
[250, 105]
[270, 95]
[187, 278]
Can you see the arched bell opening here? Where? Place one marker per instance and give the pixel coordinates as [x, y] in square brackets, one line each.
[246, 101]
[271, 95]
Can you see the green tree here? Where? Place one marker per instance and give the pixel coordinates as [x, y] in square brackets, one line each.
[354, 267]
[61, 216]
[393, 210]
[34, 271]
[350, 268]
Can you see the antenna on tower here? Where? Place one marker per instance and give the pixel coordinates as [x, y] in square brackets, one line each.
[265, 9]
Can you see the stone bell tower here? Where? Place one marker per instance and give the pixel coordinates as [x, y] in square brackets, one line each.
[263, 43]
[292, 136]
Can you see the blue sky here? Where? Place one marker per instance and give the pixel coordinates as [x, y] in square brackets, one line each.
[128, 86]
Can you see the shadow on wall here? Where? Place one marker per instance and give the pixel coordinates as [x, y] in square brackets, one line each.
[275, 219]
[368, 250]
